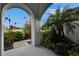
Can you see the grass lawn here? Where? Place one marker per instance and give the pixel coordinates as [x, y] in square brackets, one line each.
[14, 30]
[44, 30]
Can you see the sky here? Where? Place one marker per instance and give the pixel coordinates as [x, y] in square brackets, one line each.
[17, 15]
[51, 9]
[21, 17]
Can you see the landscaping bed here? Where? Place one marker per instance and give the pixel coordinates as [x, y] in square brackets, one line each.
[63, 47]
[11, 37]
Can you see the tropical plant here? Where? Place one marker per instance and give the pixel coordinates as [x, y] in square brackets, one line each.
[66, 18]
[9, 20]
[55, 39]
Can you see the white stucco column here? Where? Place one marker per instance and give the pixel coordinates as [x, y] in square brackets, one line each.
[0, 37]
[0, 30]
[35, 32]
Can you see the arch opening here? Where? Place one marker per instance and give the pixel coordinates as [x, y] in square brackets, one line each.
[55, 36]
[22, 25]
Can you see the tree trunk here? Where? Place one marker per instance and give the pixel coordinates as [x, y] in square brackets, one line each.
[62, 33]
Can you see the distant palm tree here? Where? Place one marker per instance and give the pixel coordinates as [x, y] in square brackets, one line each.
[65, 18]
[15, 23]
[6, 18]
[27, 30]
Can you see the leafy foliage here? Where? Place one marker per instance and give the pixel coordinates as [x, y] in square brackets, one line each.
[27, 30]
[8, 41]
[65, 18]
[18, 36]
[11, 37]
[63, 47]
[55, 39]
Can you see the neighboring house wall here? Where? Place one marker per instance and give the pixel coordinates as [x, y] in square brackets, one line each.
[74, 37]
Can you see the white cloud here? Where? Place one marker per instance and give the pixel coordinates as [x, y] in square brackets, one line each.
[51, 11]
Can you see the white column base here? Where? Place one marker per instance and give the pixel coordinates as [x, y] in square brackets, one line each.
[35, 32]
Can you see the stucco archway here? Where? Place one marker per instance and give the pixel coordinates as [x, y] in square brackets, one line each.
[35, 10]
[9, 6]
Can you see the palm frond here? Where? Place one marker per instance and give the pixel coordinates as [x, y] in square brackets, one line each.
[70, 27]
[65, 8]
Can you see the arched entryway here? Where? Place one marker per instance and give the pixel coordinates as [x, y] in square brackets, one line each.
[17, 28]
[35, 18]
[9, 6]
[59, 35]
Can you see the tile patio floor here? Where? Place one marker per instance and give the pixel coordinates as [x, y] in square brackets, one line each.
[29, 50]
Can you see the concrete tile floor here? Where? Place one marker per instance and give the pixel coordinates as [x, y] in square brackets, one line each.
[20, 43]
[29, 50]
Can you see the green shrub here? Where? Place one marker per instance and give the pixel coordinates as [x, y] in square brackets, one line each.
[18, 36]
[27, 35]
[10, 38]
[47, 39]
[61, 46]
[73, 52]
[8, 41]
[27, 31]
